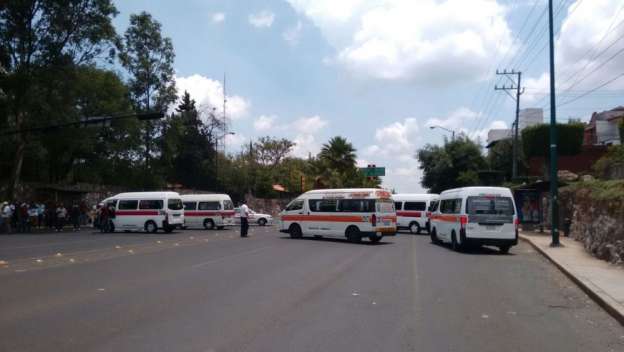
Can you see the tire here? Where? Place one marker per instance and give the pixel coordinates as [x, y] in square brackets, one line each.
[353, 234]
[262, 222]
[295, 231]
[209, 224]
[220, 227]
[434, 236]
[151, 227]
[504, 249]
[456, 246]
[414, 228]
[374, 238]
[168, 228]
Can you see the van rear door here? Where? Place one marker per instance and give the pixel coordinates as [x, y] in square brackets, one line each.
[386, 216]
[490, 217]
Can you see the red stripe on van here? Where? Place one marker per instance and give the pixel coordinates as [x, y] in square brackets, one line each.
[208, 213]
[412, 214]
[446, 218]
[328, 218]
[136, 212]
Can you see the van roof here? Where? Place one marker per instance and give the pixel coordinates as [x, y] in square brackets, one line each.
[208, 196]
[373, 191]
[477, 190]
[415, 196]
[145, 195]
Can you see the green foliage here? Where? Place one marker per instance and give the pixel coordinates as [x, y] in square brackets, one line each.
[455, 164]
[621, 127]
[611, 190]
[536, 139]
[500, 158]
[613, 158]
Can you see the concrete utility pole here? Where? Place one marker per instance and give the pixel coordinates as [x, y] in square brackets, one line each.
[554, 230]
[514, 86]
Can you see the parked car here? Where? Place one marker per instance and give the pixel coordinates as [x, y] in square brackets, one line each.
[254, 218]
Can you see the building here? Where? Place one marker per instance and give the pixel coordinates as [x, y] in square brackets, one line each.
[526, 118]
[603, 128]
[496, 135]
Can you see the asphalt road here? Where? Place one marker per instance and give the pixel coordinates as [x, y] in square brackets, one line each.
[213, 291]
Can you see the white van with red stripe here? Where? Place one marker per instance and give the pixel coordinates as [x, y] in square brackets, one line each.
[411, 210]
[476, 216]
[208, 211]
[352, 213]
[146, 211]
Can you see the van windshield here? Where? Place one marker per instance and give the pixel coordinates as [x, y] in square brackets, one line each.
[486, 205]
[228, 205]
[175, 204]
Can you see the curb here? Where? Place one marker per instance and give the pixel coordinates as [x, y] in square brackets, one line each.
[595, 296]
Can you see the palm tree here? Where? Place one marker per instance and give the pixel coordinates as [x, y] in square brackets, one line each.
[338, 154]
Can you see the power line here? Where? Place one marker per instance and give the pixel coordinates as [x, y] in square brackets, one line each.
[592, 90]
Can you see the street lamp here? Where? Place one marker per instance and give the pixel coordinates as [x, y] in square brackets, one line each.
[446, 129]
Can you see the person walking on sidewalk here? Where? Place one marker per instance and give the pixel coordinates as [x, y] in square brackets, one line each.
[5, 213]
[244, 213]
[74, 215]
[61, 214]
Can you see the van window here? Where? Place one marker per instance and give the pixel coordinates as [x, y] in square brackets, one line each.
[128, 204]
[450, 206]
[356, 205]
[228, 205]
[433, 206]
[489, 205]
[385, 206]
[175, 204]
[190, 205]
[398, 205]
[420, 206]
[209, 206]
[296, 204]
[151, 204]
[323, 205]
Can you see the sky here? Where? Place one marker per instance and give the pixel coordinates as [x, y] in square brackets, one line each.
[381, 73]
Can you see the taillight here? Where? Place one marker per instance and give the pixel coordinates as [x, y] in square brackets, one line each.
[428, 214]
[463, 220]
[517, 223]
[374, 220]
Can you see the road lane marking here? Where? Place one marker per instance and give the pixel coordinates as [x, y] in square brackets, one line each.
[59, 254]
[230, 256]
[39, 261]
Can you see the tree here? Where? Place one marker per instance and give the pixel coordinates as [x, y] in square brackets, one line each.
[338, 154]
[500, 158]
[39, 37]
[455, 164]
[335, 166]
[148, 57]
[271, 151]
[536, 139]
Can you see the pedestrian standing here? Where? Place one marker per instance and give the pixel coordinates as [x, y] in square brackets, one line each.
[5, 214]
[40, 214]
[61, 214]
[22, 218]
[75, 217]
[103, 219]
[32, 216]
[244, 213]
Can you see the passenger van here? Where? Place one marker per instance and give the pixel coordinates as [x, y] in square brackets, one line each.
[146, 211]
[475, 216]
[209, 211]
[411, 211]
[341, 213]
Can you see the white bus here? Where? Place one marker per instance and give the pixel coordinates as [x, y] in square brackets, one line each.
[351, 213]
[209, 211]
[146, 211]
[411, 210]
[475, 216]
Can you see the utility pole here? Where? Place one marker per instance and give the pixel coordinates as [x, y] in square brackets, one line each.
[225, 132]
[554, 229]
[514, 86]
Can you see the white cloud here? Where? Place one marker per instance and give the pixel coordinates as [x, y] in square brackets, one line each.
[426, 41]
[305, 144]
[308, 125]
[459, 121]
[209, 93]
[264, 123]
[292, 34]
[395, 139]
[217, 17]
[234, 142]
[307, 130]
[262, 19]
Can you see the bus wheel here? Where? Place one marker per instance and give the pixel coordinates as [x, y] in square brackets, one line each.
[295, 231]
[374, 238]
[353, 234]
[414, 228]
[434, 236]
[151, 227]
[209, 224]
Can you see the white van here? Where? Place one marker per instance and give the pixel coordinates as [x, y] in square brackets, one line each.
[411, 210]
[209, 211]
[146, 211]
[351, 213]
[476, 216]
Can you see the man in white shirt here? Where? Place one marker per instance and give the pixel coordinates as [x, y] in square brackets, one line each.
[244, 213]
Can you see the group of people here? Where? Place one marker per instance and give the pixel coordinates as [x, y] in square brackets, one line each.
[24, 217]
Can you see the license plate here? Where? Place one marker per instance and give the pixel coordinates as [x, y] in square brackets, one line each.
[386, 223]
[490, 227]
[176, 214]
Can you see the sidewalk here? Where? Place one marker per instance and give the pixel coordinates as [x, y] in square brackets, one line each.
[602, 281]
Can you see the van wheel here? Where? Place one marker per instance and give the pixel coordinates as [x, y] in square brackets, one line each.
[434, 236]
[262, 222]
[209, 224]
[353, 234]
[220, 227]
[151, 227]
[457, 247]
[374, 238]
[414, 228]
[295, 231]
[504, 249]
[168, 228]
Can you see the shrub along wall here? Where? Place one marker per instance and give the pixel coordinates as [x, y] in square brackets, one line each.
[597, 210]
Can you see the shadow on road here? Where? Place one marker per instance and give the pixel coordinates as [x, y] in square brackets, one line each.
[335, 240]
[475, 250]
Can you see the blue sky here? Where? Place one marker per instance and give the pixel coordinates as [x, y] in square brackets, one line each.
[380, 72]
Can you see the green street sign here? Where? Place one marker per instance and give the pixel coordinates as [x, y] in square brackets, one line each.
[373, 171]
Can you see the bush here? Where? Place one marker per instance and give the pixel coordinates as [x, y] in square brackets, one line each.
[613, 159]
[622, 131]
[536, 139]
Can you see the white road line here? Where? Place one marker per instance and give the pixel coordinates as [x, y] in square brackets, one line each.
[230, 256]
